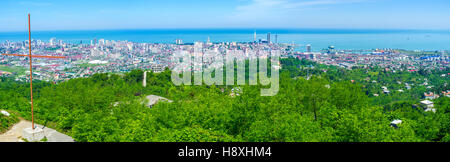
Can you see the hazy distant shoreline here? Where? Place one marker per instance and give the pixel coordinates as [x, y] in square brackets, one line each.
[408, 39]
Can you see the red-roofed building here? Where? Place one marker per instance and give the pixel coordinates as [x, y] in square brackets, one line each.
[446, 94]
[431, 96]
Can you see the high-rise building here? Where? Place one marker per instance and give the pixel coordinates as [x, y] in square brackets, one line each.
[254, 37]
[332, 51]
[178, 41]
[130, 46]
[101, 42]
[308, 48]
[52, 41]
[268, 38]
[208, 43]
[276, 38]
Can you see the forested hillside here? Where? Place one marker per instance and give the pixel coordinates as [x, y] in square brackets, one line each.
[6, 122]
[315, 103]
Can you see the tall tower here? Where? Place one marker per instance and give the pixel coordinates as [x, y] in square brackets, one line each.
[332, 51]
[179, 41]
[276, 38]
[52, 41]
[308, 48]
[254, 36]
[268, 38]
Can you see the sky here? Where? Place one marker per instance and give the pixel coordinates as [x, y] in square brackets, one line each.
[174, 14]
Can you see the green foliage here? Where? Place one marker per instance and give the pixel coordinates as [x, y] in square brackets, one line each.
[17, 70]
[7, 121]
[315, 103]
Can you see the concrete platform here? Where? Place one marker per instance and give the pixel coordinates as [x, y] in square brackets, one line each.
[33, 135]
[15, 133]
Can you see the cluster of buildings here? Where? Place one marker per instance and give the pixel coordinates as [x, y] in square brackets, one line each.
[112, 56]
[388, 59]
[100, 56]
[391, 59]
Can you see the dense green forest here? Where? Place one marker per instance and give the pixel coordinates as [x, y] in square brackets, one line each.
[7, 122]
[315, 103]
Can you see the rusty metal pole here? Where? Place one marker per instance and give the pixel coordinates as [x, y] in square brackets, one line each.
[31, 72]
[31, 67]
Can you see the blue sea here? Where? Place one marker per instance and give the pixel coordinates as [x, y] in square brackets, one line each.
[356, 39]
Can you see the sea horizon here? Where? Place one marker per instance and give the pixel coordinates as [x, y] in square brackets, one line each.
[318, 38]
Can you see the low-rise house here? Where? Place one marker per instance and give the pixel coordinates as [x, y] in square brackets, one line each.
[431, 96]
[430, 110]
[428, 105]
[446, 93]
[408, 87]
[385, 90]
[395, 123]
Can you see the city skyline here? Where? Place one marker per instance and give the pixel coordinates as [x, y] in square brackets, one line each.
[176, 14]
